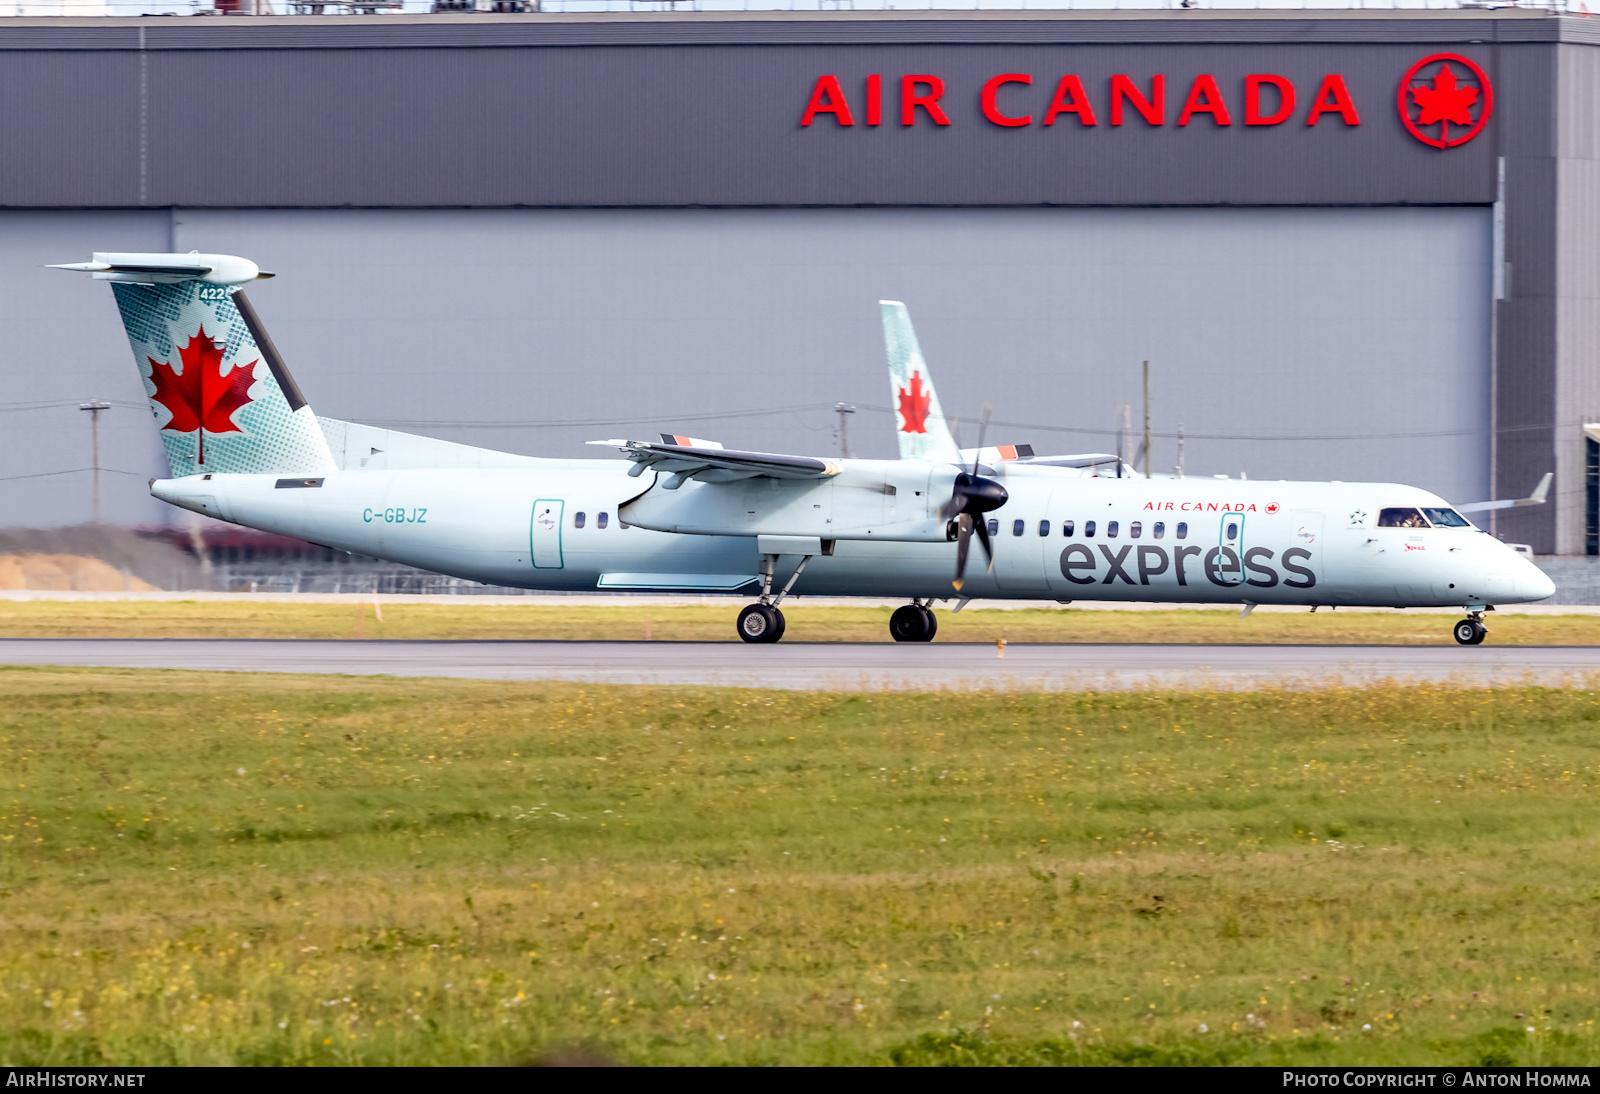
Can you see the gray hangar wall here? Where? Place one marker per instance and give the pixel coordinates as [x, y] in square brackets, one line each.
[529, 232]
[538, 330]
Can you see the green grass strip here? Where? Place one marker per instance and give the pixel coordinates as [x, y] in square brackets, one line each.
[238, 869]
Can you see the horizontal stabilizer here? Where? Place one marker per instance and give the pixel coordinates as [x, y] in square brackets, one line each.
[167, 269]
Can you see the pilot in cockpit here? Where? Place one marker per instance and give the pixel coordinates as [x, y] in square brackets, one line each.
[1402, 518]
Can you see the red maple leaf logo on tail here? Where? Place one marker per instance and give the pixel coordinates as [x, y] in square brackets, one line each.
[914, 406]
[200, 398]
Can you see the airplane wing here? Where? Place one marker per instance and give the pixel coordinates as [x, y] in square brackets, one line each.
[1006, 452]
[1535, 498]
[717, 464]
[691, 442]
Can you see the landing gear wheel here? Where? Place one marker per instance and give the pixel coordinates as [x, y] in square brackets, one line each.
[783, 625]
[906, 624]
[1470, 632]
[912, 623]
[760, 623]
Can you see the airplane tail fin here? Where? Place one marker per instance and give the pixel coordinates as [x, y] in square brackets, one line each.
[222, 399]
[920, 425]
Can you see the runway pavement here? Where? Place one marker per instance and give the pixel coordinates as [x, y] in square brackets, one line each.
[838, 666]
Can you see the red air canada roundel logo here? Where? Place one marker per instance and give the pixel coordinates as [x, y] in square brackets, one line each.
[1445, 100]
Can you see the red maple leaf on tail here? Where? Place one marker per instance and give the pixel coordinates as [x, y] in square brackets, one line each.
[200, 398]
[914, 406]
[1445, 101]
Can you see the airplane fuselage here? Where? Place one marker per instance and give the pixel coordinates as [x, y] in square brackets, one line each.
[572, 525]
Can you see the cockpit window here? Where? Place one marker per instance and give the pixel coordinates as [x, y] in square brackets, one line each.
[1446, 518]
[1401, 518]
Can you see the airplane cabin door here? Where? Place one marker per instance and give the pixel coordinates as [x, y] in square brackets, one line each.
[1228, 563]
[544, 534]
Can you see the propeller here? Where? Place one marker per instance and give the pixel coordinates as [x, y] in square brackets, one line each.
[972, 496]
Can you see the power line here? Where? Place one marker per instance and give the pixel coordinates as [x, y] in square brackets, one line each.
[1270, 438]
[6, 408]
[74, 471]
[600, 422]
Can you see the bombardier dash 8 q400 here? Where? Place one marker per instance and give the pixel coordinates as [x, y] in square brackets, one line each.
[682, 515]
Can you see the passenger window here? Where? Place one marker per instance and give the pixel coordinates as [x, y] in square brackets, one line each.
[1135, 529]
[1158, 529]
[1183, 529]
[1111, 529]
[1446, 518]
[1066, 527]
[1018, 526]
[1233, 530]
[600, 521]
[1088, 529]
[577, 520]
[1044, 528]
[622, 525]
[1401, 518]
[994, 526]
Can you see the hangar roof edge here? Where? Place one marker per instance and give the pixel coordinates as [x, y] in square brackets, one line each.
[796, 28]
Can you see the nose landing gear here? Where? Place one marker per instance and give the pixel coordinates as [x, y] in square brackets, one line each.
[913, 623]
[1471, 631]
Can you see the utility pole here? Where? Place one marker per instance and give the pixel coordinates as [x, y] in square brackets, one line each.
[94, 407]
[1147, 419]
[844, 437]
[1123, 429]
[1180, 450]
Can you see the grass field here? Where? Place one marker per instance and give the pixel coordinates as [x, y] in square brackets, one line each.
[713, 622]
[202, 869]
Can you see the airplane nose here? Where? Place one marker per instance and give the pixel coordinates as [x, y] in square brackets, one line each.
[1533, 583]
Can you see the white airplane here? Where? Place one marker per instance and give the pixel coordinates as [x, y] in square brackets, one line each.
[678, 515]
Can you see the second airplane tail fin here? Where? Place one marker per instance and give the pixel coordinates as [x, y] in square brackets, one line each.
[919, 422]
[222, 399]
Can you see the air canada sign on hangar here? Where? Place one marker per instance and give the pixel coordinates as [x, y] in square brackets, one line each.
[1444, 100]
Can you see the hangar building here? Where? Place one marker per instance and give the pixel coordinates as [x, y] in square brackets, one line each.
[1352, 245]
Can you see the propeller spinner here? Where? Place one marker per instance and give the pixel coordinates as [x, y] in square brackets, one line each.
[972, 497]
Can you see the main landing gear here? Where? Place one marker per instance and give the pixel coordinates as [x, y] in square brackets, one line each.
[1471, 631]
[762, 621]
[913, 622]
